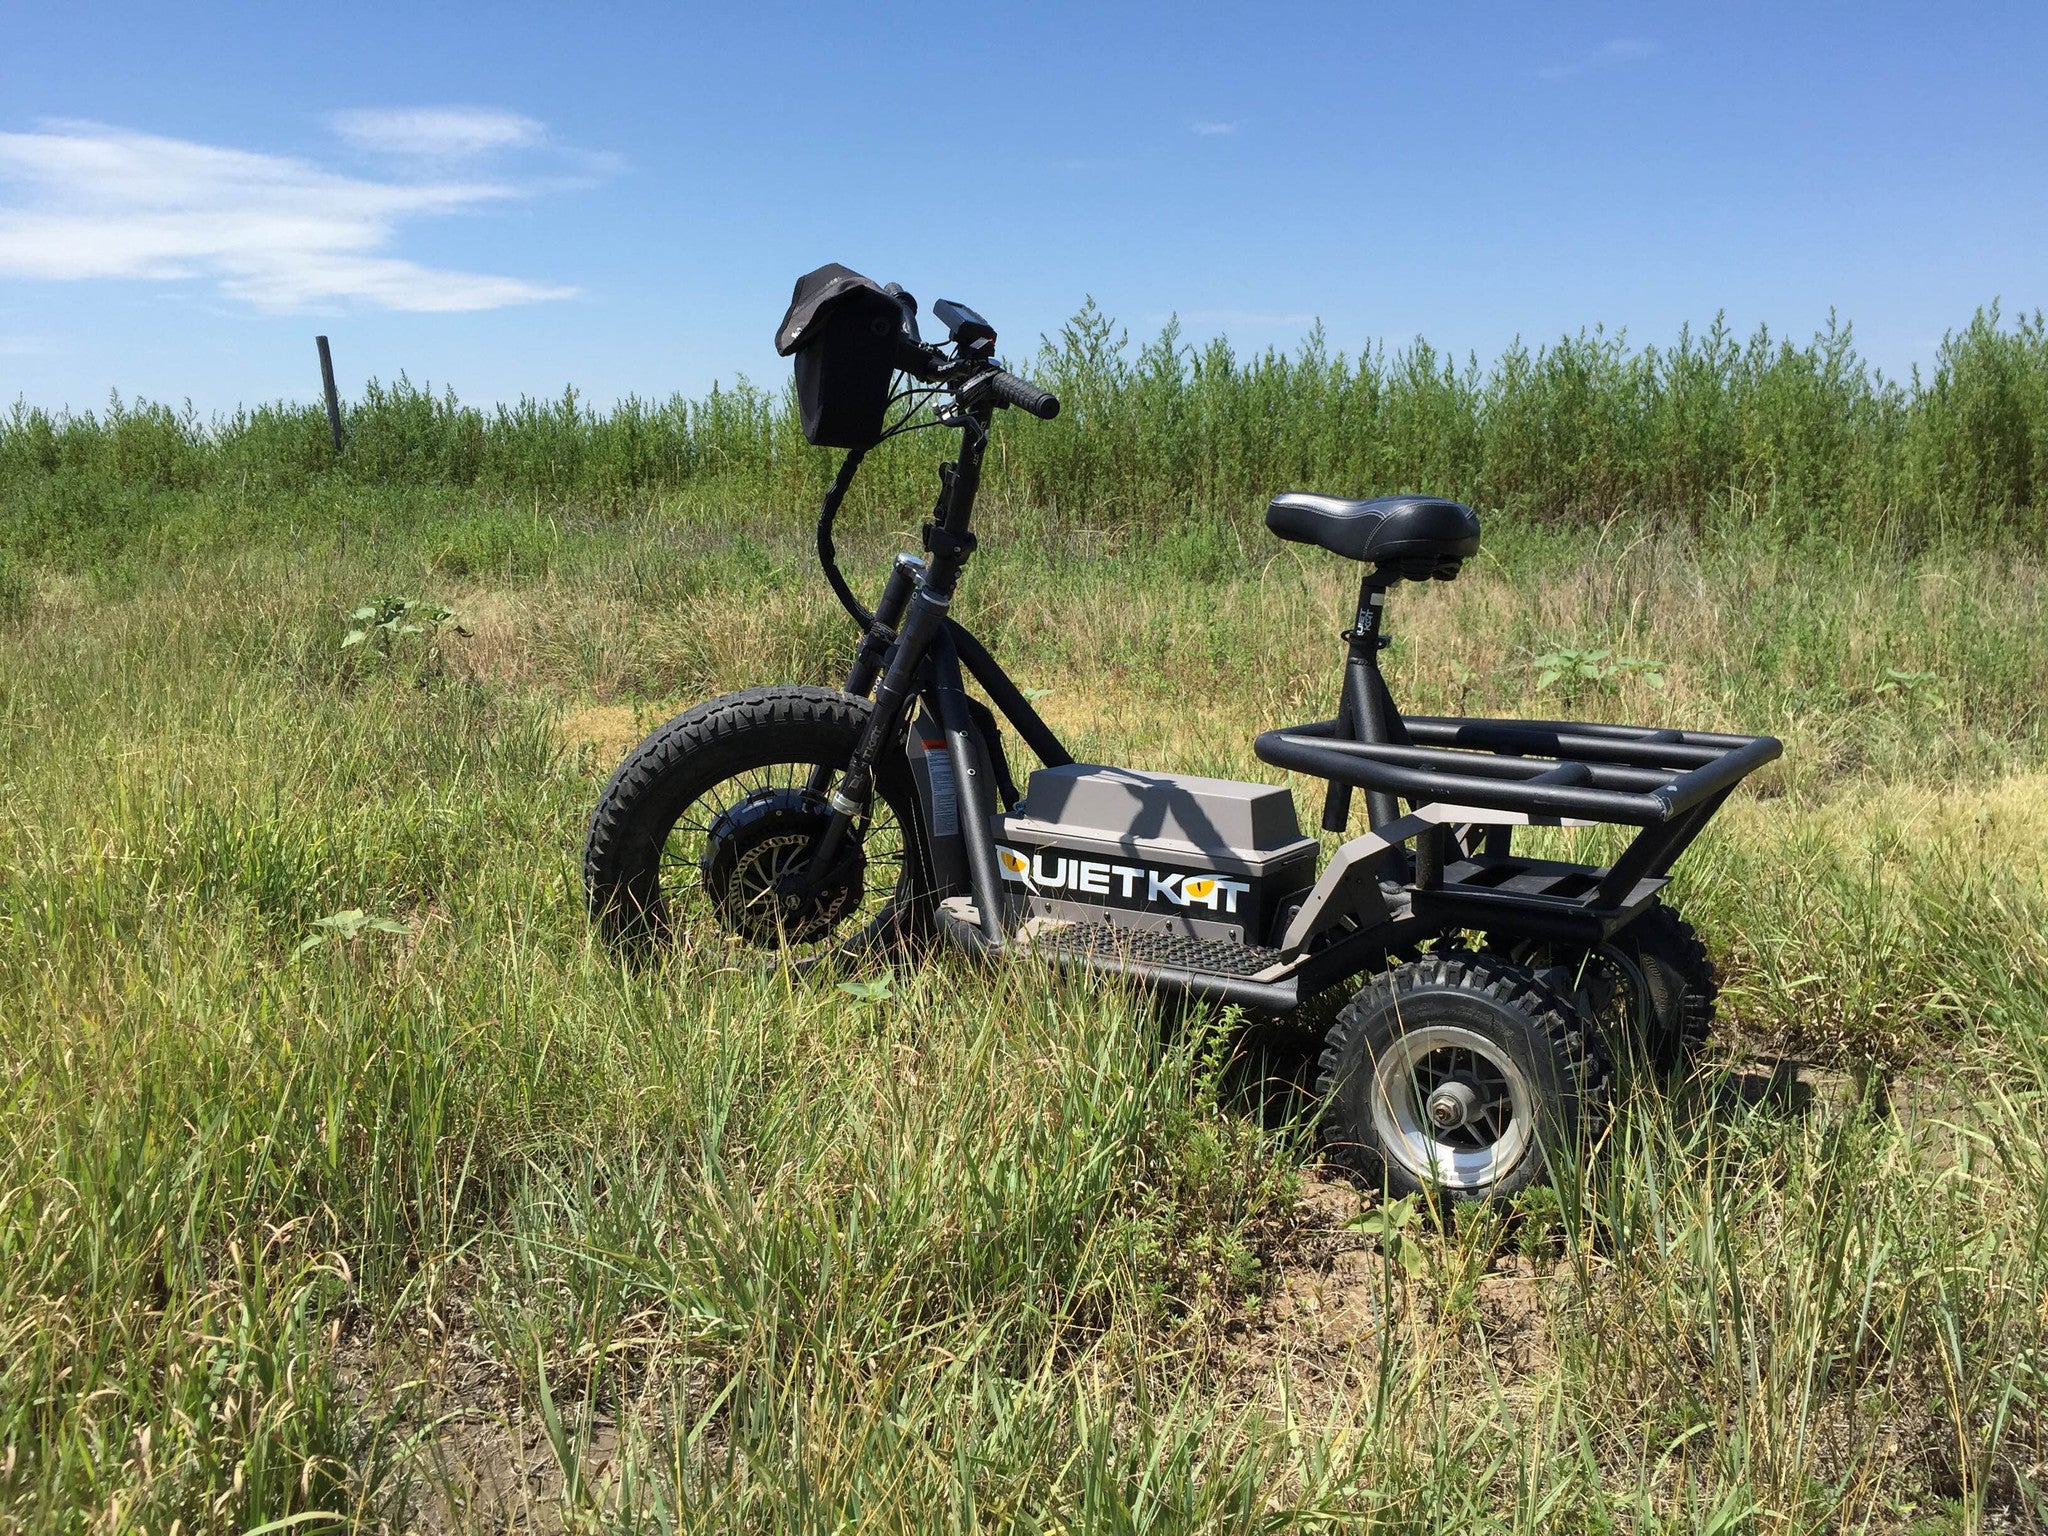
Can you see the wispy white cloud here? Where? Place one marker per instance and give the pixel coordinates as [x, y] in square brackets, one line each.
[273, 231]
[1211, 130]
[24, 346]
[436, 133]
[1613, 52]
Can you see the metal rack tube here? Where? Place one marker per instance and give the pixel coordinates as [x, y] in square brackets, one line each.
[1502, 766]
[1325, 760]
[1705, 782]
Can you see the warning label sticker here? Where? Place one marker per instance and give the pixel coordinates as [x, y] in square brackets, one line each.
[945, 793]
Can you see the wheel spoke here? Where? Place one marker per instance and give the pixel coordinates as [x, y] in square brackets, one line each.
[745, 897]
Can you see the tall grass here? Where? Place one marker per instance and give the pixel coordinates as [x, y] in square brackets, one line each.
[462, 1225]
[1806, 437]
[346, 1183]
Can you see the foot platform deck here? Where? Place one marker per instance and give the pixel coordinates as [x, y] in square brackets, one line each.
[1156, 949]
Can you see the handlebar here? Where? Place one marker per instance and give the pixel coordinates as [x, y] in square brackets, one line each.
[929, 365]
[1008, 389]
[921, 360]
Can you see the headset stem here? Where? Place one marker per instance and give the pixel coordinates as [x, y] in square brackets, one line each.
[948, 541]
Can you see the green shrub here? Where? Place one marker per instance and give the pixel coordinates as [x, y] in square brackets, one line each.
[17, 591]
[1806, 437]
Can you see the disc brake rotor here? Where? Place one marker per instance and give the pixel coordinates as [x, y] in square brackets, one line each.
[1609, 987]
[753, 850]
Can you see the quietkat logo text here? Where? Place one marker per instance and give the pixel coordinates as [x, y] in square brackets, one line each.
[1043, 873]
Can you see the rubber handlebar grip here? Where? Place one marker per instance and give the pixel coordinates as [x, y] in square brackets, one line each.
[1008, 389]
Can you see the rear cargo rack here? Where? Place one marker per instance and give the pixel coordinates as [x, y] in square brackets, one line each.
[1533, 772]
[1632, 774]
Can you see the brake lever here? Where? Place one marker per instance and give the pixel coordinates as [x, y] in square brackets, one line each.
[981, 379]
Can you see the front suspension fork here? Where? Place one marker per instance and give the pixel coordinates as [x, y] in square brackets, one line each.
[874, 645]
[923, 625]
[870, 658]
[926, 592]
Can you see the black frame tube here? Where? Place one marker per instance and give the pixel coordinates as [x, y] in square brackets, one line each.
[1353, 761]
[1492, 765]
[1715, 779]
[1367, 710]
[1007, 697]
[1652, 854]
[1576, 738]
[983, 875]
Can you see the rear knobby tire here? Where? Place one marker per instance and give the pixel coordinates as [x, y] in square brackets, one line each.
[1681, 984]
[1650, 989]
[645, 879]
[1471, 1035]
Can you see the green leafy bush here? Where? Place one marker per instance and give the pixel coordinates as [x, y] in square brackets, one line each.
[1711, 426]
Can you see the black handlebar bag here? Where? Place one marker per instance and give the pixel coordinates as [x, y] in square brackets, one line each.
[842, 330]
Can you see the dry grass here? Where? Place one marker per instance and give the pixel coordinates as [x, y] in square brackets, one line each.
[465, 1224]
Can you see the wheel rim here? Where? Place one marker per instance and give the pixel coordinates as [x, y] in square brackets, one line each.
[863, 910]
[1452, 1108]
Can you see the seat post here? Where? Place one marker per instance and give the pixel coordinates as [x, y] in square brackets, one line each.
[1366, 711]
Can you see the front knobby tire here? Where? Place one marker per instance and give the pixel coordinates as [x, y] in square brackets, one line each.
[705, 814]
[1460, 1075]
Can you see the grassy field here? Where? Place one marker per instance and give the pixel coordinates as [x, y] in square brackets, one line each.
[345, 1181]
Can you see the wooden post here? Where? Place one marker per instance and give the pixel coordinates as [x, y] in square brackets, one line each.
[327, 384]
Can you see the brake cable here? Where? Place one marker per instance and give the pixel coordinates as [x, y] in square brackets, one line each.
[828, 513]
[828, 555]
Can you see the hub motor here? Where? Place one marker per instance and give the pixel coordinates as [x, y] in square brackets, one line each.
[753, 849]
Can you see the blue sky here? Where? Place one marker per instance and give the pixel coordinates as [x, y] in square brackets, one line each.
[512, 198]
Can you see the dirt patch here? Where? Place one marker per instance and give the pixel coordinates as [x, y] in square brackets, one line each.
[1333, 1297]
[1340, 1299]
[492, 1472]
[482, 1457]
[606, 732]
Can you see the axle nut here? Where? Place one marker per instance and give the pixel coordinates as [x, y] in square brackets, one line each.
[1452, 1105]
